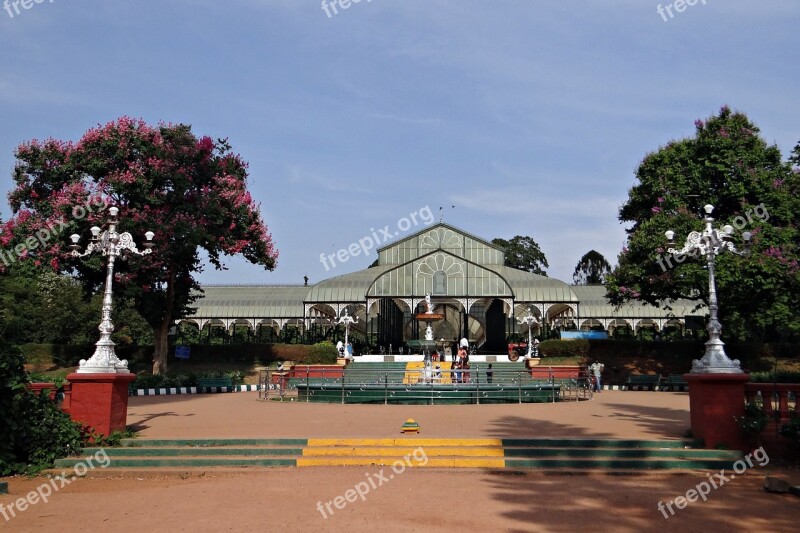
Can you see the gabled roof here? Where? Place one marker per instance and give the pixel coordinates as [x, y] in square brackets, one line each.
[347, 288]
[530, 287]
[426, 229]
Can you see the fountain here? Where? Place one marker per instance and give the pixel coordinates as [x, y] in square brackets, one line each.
[429, 344]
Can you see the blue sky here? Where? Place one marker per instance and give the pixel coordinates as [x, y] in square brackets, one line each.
[529, 116]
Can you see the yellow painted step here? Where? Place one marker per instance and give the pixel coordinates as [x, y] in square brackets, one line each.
[400, 452]
[406, 441]
[436, 462]
[414, 372]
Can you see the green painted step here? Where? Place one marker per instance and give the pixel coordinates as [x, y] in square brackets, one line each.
[600, 443]
[151, 443]
[182, 463]
[193, 451]
[628, 453]
[630, 464]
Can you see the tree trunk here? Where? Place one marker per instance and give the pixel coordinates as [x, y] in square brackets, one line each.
[161, 339]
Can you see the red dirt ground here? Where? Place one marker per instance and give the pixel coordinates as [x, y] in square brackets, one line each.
[416, 500]
[612, 414]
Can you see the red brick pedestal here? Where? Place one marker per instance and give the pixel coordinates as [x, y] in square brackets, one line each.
[716, 401]
[100, 401]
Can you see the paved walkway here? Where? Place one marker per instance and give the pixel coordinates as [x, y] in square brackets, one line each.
[611, 414]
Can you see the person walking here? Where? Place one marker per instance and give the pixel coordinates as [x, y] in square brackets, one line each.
[596, 369]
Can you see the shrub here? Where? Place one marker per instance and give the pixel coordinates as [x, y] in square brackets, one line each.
[773, 377]
[792, 430]
[35, 431]
[56, 354]
[754, 420]
[559, 348]
[320, 353]
[166, 381]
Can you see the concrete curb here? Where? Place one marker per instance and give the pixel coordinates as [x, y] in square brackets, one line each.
[644, 388]
[193, 390]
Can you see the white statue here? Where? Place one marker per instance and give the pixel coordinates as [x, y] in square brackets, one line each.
[430, 307]
[429, 333]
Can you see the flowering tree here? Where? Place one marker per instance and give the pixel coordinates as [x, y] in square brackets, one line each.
[192, 192]
[728, 165]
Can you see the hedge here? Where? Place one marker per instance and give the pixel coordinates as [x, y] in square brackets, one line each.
[142, 356]
[571, 348]
[753, 356]
[782, 376]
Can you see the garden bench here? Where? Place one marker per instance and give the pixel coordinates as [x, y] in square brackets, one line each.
[203, 384]
[674, 382]
[640, 381]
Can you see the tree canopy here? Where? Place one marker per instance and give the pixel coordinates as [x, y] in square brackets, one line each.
[190, 191]
[523, 253]
[591, 269]
[728, 165]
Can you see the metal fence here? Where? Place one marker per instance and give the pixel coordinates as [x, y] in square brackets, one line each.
[424, 385]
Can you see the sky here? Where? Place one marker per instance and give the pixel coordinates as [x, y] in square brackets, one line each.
[529, 117]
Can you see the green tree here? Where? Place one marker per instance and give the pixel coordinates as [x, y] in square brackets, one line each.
[523, 253]
[192, 192]
[42, 306]
[20, 305]
[592, 269]
[728, 165]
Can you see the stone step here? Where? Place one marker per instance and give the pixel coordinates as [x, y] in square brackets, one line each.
[577, 464]
[525, 454]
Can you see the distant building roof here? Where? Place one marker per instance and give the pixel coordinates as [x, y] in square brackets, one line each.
[594, 304]
[251, 301]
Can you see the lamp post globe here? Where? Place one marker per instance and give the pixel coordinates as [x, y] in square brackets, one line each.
[710, 243]
[112, 245]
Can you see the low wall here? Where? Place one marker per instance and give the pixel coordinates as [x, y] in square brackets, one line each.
[557, 372]
[780, 404]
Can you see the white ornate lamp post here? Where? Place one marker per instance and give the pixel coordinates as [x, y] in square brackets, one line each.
[346, 319]
[711, 242]
[110, 244]
[529, 320]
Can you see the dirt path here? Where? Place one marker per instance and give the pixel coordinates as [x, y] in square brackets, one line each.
[416, 500]
[612, 414]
